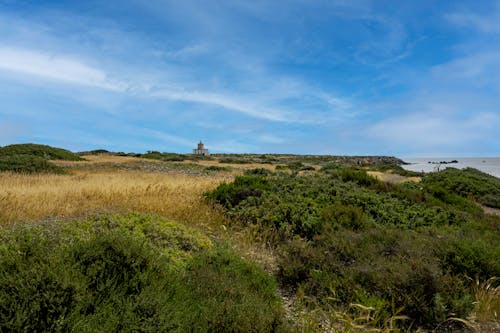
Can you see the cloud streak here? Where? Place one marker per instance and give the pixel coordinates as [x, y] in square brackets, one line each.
[53, 67]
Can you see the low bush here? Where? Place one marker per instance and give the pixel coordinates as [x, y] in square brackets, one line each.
[156, 155]
[43, 151]
[129, 273]
[216, 168]
[232, 160]
[468, 183]
[345, 237]
[243, 187]
[28, 164]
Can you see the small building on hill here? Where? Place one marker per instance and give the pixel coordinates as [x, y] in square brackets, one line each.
[201, 150]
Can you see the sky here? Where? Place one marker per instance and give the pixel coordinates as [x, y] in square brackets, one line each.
[340, 77]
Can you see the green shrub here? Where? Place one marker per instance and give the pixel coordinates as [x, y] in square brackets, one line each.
[345, 238]
[28, 164]
[156, 155]
[230, 195]
[129, 273]
[216, 168]
[399, 269]
[43, 151]
[467, 183]
[228, 294]
[231, 160]
[350, 217]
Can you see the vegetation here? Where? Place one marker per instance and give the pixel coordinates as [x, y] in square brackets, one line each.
[46, 152]
[468, 183]
[156, 155]
[349, 252]
[85, 192]
[28, 164]
[33, 158]
[129, 273]
[394, 168]
[345, 237]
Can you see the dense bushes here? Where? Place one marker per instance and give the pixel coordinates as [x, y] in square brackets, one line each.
[33, 158]
[44, 151]
[131, 273]
[345, 237]
[28, 164]
[156, 155]
[468, 183]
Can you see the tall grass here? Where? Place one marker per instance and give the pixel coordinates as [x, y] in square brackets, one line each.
[487, 299]
[31, 197]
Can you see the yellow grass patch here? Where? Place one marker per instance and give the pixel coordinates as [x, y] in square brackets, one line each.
[393, 178]
[104, 159]
[84, 192]
[244, 166]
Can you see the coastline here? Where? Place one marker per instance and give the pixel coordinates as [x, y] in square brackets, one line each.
[489, 165]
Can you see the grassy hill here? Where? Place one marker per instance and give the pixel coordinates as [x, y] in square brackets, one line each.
[33, 158]
[346, 251]
[44, 151]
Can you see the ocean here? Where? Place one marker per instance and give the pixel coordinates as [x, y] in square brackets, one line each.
[490, 165]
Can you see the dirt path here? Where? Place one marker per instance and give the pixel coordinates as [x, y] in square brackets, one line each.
[392, 177]
[490, 210]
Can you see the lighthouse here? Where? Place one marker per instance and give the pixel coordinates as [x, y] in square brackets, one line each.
[201, 150]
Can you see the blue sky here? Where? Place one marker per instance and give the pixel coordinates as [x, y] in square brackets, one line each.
[403, 78]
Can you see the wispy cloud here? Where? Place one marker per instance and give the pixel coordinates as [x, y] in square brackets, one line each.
[54, 67]
[325, 76]
[486, 22]
[227, 102]
[435, 131]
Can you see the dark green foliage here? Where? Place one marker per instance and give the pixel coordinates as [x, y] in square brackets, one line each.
[258, 171]
[235, 296]
[98, 152]
[33, 158]
[468, 183]
[345, 237]
[156, 155]
[216, 168]
[235, 160]
[28, 164]
[43, 151]
[309, 159]
[129, 274]
[358, 176]
[243, 187]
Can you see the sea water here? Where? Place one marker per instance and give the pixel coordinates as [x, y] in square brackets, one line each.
[490, 165]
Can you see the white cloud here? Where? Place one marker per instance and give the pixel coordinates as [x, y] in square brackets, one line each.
[54, 67]
[471, 70]
[487, 23]
[435, 129]
[228, 102]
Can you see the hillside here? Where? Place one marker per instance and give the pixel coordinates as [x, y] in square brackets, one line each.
[301, 244]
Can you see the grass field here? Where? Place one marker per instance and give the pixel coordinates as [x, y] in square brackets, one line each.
[281, 231]
[85, 192]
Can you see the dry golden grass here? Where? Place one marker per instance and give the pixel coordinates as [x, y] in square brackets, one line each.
[245, 166]
[393, 178]
[104, 159]
[177, 196]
